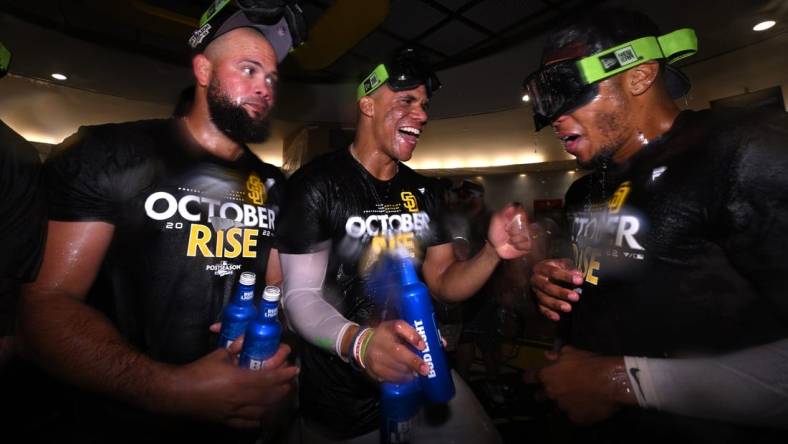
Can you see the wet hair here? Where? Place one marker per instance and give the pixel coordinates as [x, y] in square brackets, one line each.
[600, 29]
[597, 30]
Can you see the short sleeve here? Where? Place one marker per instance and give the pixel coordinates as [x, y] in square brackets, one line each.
[439, 217]
[22, 226]
[304, 222]
[756, 209]
[81, 176]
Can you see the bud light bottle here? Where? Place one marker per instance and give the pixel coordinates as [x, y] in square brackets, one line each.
[262, 334]
[400, 403]
[416, 309]
[239, 311]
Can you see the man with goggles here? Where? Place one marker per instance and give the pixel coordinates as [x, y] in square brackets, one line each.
[347, 208]
[121, 310]
[407, 70]
[678, 244]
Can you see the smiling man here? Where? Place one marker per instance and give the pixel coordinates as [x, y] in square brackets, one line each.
[344, 210]
[151, 223]
[678, 244]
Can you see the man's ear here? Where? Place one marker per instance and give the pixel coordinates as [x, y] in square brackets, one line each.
[367, 106]
[202, 67]
[640, 78]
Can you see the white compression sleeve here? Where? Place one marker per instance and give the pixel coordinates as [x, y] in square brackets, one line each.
[309, 314]
[746, 387]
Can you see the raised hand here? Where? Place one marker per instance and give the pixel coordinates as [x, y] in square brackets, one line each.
[508, 232]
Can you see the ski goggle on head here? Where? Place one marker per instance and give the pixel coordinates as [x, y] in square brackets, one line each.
[406, 71]
[5, 60]
[559, 88]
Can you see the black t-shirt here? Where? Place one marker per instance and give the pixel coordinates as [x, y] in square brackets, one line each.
[23, 217]
[186, 225]
[22, 220]
[334, 199]
[684, 247]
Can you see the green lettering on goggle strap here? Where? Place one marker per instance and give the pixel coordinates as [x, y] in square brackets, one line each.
[672, 47]
[5, 58]
[372, 82]
[212, 10]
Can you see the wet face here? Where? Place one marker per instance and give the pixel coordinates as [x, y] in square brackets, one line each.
[242, 86]
[596, 131]
[399, 117]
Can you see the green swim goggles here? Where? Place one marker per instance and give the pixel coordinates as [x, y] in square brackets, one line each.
[407, 70]
[561, 87]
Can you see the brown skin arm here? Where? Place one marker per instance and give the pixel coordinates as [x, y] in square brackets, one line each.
[589, 388]
[80, 345]
[451, 280]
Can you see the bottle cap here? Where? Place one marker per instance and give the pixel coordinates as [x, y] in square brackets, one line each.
[247, 278]
[271, 293]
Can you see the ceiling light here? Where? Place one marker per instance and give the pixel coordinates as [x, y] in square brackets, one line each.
[58, 76]
[522, 175]
[571, 171]
[763, 26]
[526, 98]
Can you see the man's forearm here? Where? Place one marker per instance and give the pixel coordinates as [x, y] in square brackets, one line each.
[79, 345]
[746, 387]
[463, 279]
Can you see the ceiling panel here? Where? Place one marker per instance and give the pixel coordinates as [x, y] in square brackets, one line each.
[453, 38]
[377, 46]
[456, 4]
[498, 15]
[409, 18]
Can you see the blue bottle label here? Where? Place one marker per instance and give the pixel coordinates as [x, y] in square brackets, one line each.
[256, 353]
[271, 312]
[247, 295]
[426, 354]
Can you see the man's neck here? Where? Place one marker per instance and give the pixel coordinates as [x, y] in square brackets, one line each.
[374, 160]
[652, 122]
[209, 137]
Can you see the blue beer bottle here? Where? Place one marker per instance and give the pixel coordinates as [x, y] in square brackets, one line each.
[239, 311]
[416, 309]
[263, 333]
[399, 403]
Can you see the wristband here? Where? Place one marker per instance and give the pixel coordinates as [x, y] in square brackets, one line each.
[355, 348]
[367, 339]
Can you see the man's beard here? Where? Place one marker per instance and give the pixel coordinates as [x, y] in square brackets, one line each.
[614, 126]
[233, 120]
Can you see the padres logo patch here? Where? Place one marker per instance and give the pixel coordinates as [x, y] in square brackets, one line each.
[409, 201]
[256, 189]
